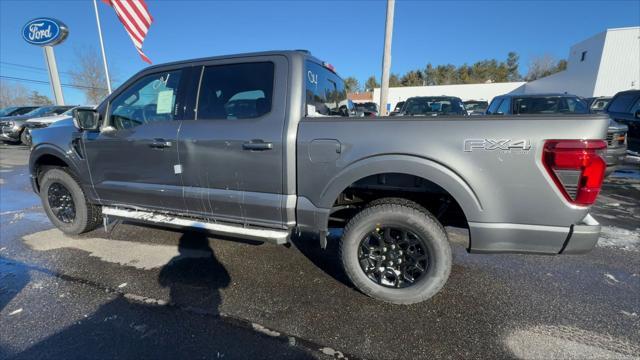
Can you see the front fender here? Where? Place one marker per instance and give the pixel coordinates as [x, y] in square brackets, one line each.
[404, 164]
[41, 150]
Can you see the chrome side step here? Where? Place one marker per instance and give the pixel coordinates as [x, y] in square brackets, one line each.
[273, 236]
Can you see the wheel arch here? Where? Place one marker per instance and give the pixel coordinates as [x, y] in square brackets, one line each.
[426, 169]
[48, 155]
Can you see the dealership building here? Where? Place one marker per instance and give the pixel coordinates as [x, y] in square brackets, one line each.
[601, 65]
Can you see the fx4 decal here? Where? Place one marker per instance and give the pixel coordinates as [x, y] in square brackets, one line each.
[496, 144]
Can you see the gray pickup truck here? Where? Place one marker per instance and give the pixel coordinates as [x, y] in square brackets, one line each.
[262, 146]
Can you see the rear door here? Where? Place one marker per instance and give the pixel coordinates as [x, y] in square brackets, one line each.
[231, 141]
[131, 160]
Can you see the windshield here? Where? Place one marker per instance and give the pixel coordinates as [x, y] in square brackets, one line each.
[7, 111]
[599, 104]
[549, 105]
[429, 105]
[40, 111]
[68, 112]
[476, 105]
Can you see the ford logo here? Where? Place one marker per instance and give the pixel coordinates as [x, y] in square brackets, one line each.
[44, 32]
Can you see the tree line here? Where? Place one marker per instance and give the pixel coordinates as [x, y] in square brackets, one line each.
[490, 70]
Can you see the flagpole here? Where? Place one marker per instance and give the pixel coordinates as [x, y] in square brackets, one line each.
[104, 56]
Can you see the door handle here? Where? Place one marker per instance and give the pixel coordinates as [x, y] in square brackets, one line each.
[160, 144]
[257, 145]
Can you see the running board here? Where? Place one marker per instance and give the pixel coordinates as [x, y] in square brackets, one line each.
[273, 236]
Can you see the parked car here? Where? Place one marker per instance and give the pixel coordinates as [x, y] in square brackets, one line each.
[598, 104]
[397, 109]
[43, 122]
[476, 107]
[624, 108]
[16, 110]
[296, 165]
[12, 127]
[563, 104]
[367, 109]
[432, 106]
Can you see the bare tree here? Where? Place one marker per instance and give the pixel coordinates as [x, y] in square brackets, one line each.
[88, 75]
[13, 94]
[38, 99]
[545, 65]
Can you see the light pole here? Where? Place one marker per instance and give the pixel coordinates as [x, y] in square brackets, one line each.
[386, 58]
[104, 55]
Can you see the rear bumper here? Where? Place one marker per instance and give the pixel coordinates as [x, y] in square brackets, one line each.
[534, 239]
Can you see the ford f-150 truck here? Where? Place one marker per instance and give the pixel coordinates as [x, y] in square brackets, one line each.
[262, 146]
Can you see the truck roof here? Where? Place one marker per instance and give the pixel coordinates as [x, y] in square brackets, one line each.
[541, 95]
[288, 53]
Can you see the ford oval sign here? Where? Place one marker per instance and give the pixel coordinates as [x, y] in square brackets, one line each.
[44, 32]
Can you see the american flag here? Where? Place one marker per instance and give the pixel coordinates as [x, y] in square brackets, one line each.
[135, 17]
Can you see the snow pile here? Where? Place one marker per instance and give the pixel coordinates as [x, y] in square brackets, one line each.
[612, 236]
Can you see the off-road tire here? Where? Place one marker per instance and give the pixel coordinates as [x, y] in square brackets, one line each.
[87, 216]
[398, 201]
[404, 214]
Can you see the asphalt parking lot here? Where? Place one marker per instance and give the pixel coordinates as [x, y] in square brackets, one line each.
[147, 292]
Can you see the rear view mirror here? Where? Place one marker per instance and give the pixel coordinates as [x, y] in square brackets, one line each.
[86, 119]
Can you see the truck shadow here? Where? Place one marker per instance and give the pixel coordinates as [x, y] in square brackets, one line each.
[188, 326]
[327, 259]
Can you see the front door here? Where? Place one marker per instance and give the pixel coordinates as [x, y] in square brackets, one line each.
[231, 144]
[131, 160]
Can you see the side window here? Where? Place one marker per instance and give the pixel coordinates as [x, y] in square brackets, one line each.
[495, 103]
[235, 91]
[621, 103]
[504, 107]
[325, 92]
[151, 98]
[576, 106]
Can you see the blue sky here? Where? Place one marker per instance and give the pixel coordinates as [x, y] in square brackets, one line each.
[348, 34]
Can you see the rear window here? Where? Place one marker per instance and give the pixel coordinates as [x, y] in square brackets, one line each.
[236, 91]
[549, 105]
[325, 92]
[621, 103]
[431, 106]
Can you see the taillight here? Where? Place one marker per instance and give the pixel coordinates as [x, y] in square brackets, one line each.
[577, 168]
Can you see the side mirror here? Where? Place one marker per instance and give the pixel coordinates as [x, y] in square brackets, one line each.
[86, 119]
[637, 114]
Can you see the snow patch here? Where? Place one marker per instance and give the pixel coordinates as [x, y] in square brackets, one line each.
[264, 330]
[15, 312]
[612, 236]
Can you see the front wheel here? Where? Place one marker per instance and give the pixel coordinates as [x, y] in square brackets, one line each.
[65, 203]
[25, 137]
[396, 252]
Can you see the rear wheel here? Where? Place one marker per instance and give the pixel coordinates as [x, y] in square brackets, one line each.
[66, 204]
[396, 252]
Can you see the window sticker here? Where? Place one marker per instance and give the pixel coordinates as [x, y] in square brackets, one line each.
[165, 102]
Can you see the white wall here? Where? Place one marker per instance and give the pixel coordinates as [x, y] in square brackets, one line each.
[611, 64]
[464, 91]
[620, 64]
